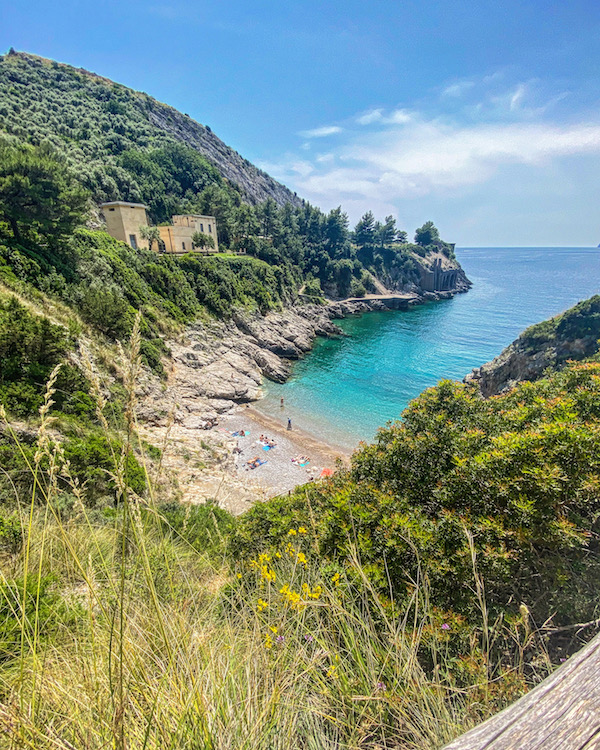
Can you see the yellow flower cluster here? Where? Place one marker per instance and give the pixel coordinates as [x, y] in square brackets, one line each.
[267, 573]
[311, 593]
[262, 604]
[291, 597]
[300, 530]
[262, 564]
[336, 579]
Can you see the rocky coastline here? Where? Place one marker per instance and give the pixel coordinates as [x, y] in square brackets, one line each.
[549, 345]
[216, 365]
[215, 371]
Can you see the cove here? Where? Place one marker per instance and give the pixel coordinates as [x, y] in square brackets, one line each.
[348, 387]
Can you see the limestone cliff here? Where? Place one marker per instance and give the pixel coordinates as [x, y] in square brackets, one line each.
[573, 335]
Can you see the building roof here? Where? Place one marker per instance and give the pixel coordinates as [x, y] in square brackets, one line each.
[123, 203]
[192, 216]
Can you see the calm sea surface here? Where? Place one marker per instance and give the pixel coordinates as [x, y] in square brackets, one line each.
[346, 388]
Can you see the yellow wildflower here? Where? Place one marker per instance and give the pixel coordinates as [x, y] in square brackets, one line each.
[273, 628]
[262, 604]
[268, 641]
[302, 559]
[336, 579]
[267, 574]
[311, 593]
[239, 575]
[292, 532]
[302, 530]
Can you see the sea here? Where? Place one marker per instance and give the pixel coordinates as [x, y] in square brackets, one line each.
[346, 388]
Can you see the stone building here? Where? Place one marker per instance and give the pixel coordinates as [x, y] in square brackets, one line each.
[177, 238]
[124, 222]
[437, 278]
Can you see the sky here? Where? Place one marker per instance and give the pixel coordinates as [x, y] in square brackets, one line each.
[481, 116]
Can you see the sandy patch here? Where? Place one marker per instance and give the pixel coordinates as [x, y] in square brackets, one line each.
[205, 464]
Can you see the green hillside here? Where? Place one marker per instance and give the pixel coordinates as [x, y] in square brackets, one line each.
[119, 144]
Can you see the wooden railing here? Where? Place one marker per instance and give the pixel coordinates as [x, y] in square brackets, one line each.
[561, 713]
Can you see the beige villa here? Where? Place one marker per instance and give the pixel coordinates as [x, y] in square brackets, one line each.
[124, 222]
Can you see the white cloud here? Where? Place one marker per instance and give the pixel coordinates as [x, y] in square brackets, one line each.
[321, 132]
[373, 115]
[517, 97]
[410, 155]
[396, 117]
[399, 117]
[458, 89]
[491, 157]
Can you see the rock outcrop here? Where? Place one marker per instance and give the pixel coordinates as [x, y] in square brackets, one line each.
[255, 185]
[573, 335]
[219, 364]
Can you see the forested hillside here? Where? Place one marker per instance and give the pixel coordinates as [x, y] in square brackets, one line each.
[100, 125]
[120, 144]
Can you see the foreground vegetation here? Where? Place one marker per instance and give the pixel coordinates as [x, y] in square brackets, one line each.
[394, 605]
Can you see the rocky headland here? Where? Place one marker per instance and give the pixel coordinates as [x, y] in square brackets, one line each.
[573, 335]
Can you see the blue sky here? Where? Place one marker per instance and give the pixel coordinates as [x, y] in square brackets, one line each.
[483, 116]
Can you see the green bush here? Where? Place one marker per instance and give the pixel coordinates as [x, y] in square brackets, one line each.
[204, 527]
[519, 473]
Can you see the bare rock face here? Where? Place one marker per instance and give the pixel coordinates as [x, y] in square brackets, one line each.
[520, 361]
[219, 364]
[256, 186]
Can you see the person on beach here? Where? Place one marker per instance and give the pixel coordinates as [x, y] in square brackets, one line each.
[289, 424]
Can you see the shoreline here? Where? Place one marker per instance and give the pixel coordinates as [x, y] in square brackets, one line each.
[216, 372]
[302, 437]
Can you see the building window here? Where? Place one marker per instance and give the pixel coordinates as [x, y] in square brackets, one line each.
[111, 209]
[201, 227]
[210, 228]
[183, 245]
[133, 241]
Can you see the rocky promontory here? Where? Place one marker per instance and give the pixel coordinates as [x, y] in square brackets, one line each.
[573, 335]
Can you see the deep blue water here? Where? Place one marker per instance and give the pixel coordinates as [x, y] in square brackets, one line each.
[346, 388]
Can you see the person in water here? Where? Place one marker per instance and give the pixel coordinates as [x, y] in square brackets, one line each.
[281, 402]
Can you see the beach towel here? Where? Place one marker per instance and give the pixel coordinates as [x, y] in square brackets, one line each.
[305, 463]
[266, 447]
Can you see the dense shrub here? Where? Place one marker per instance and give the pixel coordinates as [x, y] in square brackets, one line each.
[519, 474]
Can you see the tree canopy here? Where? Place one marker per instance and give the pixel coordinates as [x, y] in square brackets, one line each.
[38, 193]
[427, 234]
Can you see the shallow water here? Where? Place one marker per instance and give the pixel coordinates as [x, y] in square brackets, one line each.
[346, 388]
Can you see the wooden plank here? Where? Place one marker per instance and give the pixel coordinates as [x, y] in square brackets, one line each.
[561, 713]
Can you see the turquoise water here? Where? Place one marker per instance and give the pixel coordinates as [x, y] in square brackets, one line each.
[346, 388]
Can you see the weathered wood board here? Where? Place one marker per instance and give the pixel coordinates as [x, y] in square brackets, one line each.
[561, 713]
